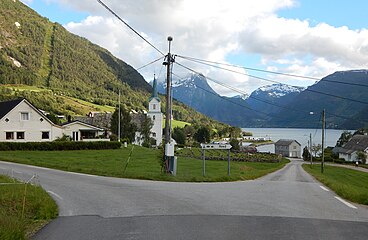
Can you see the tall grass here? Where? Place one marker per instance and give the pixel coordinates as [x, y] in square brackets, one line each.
[347, 183]
[39, 208]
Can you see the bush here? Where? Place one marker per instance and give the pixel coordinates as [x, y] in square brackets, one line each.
[57, 146]
[340, 160]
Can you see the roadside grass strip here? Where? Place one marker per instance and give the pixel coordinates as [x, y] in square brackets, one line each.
[347, 183]
[143, 163]
[24, 209]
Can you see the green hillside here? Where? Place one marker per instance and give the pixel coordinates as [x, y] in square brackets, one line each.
[58, 66]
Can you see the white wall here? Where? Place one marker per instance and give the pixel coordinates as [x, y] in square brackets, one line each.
[156, 116]
[32, 128]
[295, 150]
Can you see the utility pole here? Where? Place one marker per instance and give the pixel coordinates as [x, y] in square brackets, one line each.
[169, 60]
[323, 141]
[168, 94]
[310, 149]
[119, 127]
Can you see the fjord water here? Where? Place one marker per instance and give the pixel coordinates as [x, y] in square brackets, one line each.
[299, 134]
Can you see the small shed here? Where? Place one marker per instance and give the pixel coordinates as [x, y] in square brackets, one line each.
[288, 148]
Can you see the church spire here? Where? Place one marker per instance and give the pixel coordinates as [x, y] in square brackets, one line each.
[154, 90]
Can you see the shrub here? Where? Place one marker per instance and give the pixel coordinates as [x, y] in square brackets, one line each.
[57, 146]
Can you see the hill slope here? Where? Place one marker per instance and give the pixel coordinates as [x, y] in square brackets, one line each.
[37, 52]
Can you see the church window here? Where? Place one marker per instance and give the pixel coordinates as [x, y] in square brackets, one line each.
[154, 106]
[154, 118]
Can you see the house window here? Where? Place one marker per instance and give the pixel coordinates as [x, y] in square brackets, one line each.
[294, 147]
[45, 135]
[20, 135]
[9, 135]
[24, 116]
[153, 134]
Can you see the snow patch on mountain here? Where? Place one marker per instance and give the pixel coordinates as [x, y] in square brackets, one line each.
[279, 90]
[242, 96]
[188, 82]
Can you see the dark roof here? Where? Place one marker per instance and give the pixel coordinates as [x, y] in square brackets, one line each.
[357, 143]
[83, 123]
[285, 142]
[7, 106]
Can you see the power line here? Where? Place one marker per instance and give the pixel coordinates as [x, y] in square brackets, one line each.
[273, 81]
[272, 72]
[247, 68]
[267, 102]
[131, 28]
[213, 93]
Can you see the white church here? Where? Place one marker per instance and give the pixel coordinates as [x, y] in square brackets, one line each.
[155, 114]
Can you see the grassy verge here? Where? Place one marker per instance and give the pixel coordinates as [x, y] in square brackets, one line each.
[347, 183]
[144, 164]
[39, 209]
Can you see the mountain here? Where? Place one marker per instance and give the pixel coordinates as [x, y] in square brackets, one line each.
[266, 98]
[44, 55]
[196, 93]
[280, 105]
[342, 94]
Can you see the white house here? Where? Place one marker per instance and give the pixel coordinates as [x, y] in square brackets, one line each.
[80, 131]
[154, 112]
[288, 148]
[358, 143]
[20, 121]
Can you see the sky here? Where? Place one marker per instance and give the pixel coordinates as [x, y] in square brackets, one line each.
[311, 38]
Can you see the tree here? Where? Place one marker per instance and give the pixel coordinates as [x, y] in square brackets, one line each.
[234, 144]
[53, 118]
[127, 127]
[189, 132]
[179, 135]
[316, 148]
[146, 126]
[202, 135]
[306, 154]
[344, 138]
[235, 132]
[362, 157]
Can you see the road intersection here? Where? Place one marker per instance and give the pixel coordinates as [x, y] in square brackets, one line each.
[287, 204]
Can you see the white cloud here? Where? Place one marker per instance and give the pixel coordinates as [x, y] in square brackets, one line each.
[210, 29]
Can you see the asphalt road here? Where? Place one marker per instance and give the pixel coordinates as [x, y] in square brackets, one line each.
[288, 204]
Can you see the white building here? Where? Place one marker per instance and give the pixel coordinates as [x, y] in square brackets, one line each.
[20, 121]
[349, 152]
[154, 112]
[80, 131]
[288, 148]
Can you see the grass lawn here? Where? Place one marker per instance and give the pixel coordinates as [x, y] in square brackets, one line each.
[40, 208]
[176, 123]
[144, 164]
[347, 183]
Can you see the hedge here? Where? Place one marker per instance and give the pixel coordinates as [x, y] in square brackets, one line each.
[57, 146]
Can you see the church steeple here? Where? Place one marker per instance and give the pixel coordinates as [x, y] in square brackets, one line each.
[154, 94]
[154, 90]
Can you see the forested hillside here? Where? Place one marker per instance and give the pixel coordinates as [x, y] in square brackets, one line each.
[37, 52]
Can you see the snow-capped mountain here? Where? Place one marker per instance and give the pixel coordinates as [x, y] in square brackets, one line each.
[267, 98]
[277, 90]
[195, 92]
